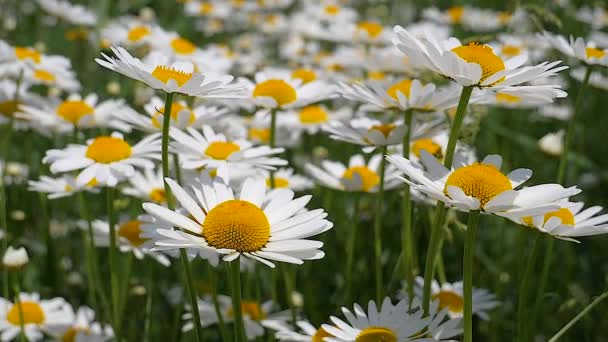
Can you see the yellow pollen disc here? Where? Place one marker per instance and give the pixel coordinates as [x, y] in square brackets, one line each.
[320, 334]
[205, 8]
[92, 183]
[449, 300]
[511, 50]
[176, 108]
[8, 108]
[481, 181]
[158, 195]
[376, 75]
[32, 313]
[70, 334]
[183, 46]
[562, 213]
[27, 53]
[404, 87]
[455, 13]
[279, 90]
[373, 29]
[427, 145]
[507, 98]
[332, 9]
[44, 75]
[77, 34]
[306, 75]
[313, 115]
[253, 310]
[369, 178]
[482, 55]
[73, 111]
[385, 129]
[376, 334]
[164, 74]
[130, 230]
[592, 52]
[504, 17]
[107, 150]
[220, 150]
[237, 225]
[68, 188]
[259, 134]
[278, 182]
[137, 33]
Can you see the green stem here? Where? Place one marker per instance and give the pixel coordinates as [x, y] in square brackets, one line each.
[51, 264]
[469, 253]
[378, 229]
[237, 309]
[406, 214]
[350, 248]
[436, 229]
[578, 317]
[540, 291]
[22, 337]
[114, 277]
[522, 304]
[287, 279]
[216, 303]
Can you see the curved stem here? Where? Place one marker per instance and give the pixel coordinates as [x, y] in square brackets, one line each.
[469, 253]
[522, 320]
[406, 214]
[378, 228]
[237, 308]
[579, 316]
[436, 233]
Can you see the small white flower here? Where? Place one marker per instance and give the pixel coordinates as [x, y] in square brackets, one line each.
[73, 14]
[552, 143]
[587, 52]
[15, 258]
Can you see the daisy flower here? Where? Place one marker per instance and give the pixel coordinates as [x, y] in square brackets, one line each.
[595, 16]
[129, 239]
[51, 74]
[520, 97]
[73, 14]
[257, 128]
[436, 145]
[552, 143]
[359, 175]
[255, 224]
[313, 117]
[450, 297]
[182, 115]
[60, 187]
[76, 112]
[472, 64]
[568, 221]
[587, 52]
[172, 77]
[39, 316]
[390, 322]
[208, 9]
[287, 178]
[9, 107]
[13, 172]
[211, 150]
[278, 89]
[108, 159]
[306, 332]
[83, 327]
[480, 185]
[147, 185]
[129, 32]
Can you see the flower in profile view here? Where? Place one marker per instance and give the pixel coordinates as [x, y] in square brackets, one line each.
[71, 13]
[62, 186]
[304, 332]
[147, 185]
[287, 178]
[83, 327]
[586, 52]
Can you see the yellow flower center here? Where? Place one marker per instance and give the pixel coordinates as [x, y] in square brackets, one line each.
[376, 75]
[8, 108]
[77, 34]
[158, 195]
[278, 182]
[253, 310]
[306, 75]
[183, 46]
[221, 150]
[279, 90]
[481, 181]
[427, 145]
[376, 334]
[385, 129]
[592, 52]
[259, 134]
[205, 8]
[44, 75]
[73, 111]
[237, 225]
[320, 334]
[70, 334]
[332, 9]
[313, 115]
[164, 74]
[137, 33]
[507, 98]
[130, 230]
[32, 313]
[481, 55]
[455, 13]
[562, 213]
[404, 87]
[511, 50]
[176, 108]
[107, 150]
[369, 178]
[449, 300]
[504, 17]
[373, 29]
[27, 53]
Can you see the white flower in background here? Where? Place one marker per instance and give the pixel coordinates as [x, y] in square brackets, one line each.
[129, 31]
[212, 151]
[147, 185]
[9, 107]
[595, 16]
[208, 9]
[15, 258]
[436, 145]
[330, 11]
[552, 143]
[83, 328]
[599, 37]
[358, 175]
[286, 178]
[39, 316]
[312, 118]
[62, 186]
[561, 112]
[16, 173]
[305, 332]
[517, 97]
[596, 79]
[108, 159]
[54, 75]
[71, 13]
[282, 89]
[255, 224]
[587, 52]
